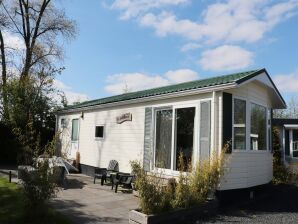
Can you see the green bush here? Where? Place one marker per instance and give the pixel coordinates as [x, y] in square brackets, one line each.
[39, 186]
[281, 173]
[158, 194]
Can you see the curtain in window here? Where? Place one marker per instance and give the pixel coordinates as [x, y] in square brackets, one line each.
[163, 138]
[205, 130]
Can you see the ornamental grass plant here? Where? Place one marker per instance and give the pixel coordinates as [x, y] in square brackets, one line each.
[193, 186]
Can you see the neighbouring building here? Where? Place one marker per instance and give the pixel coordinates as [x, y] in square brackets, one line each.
[288, 134]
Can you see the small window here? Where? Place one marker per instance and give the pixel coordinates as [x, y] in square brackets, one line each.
[75, 130]
[99, 131]
[239, 124]
[63, 123]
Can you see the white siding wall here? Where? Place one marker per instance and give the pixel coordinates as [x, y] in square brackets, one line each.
[249, 168]
[122, 142]
[125, 142]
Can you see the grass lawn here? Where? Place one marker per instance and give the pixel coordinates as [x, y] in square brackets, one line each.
[12, 207]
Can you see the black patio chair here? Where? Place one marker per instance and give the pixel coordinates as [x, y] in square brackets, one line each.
[104, 173]
[123, 179]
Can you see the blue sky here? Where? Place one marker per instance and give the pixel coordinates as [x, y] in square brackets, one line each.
[128, 44]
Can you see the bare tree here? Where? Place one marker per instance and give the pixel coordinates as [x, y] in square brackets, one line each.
[41, 27]
[290, 112]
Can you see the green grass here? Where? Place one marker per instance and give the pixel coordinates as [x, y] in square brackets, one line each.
[12, 208]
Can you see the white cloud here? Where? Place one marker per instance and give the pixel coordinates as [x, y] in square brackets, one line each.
[229, 21]
[71, 95]
[226, 57]
[132, 8]
[13, 41]
[181, 75]
[287, 82]
[190, 46]
[122, 82]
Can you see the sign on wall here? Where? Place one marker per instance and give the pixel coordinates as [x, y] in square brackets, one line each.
[124, 117]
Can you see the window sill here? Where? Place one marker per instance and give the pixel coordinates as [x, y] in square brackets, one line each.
[98, 139]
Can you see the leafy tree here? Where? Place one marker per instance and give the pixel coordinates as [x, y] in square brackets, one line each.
[28, 70]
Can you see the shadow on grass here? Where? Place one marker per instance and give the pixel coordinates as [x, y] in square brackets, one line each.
[13, 209]
[11, 202]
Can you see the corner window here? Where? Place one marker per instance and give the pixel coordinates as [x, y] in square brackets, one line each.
[239, 124]
[75, 130]
[258, 128]
[99, 130]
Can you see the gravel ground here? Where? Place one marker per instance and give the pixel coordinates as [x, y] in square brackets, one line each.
[281, 206]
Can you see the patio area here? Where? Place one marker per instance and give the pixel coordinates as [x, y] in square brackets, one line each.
[85, 202]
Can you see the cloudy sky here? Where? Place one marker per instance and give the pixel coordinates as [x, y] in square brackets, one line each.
[139, 44]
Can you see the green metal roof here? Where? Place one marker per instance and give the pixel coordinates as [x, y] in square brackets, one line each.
[193, 85]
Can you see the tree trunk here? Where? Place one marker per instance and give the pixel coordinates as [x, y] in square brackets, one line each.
[4, 78]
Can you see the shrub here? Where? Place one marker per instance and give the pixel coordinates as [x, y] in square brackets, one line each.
[193, 187]
[281, 173]
[39, 186]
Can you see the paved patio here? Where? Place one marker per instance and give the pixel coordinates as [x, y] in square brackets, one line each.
[85, 202]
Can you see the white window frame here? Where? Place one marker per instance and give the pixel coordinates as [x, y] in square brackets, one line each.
[104, 132]
[266, 118]
[197, 105]
[248, 124]
[237, 125]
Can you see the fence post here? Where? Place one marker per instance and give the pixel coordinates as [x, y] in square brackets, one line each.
[10, 176]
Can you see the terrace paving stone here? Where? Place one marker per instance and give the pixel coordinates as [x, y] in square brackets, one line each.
[85, 202]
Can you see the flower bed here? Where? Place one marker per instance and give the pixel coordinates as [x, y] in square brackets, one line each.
[175, 216]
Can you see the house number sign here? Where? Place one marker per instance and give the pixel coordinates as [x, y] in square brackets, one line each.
[124, 117]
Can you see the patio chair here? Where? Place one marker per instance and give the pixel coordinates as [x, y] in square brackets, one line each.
[123, 179]
[104, 173]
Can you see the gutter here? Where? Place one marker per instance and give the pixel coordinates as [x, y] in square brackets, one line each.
[151, 98]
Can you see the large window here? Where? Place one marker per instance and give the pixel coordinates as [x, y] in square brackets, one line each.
[258, 127]
[239, 124]
[75, 130]
[166, 154]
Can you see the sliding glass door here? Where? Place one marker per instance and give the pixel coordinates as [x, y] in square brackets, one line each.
[174, 137]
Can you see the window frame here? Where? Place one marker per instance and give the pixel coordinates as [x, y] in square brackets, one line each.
[266, 126]
[196, 104]
[238, 125]
[103, 133]
[248, 124]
